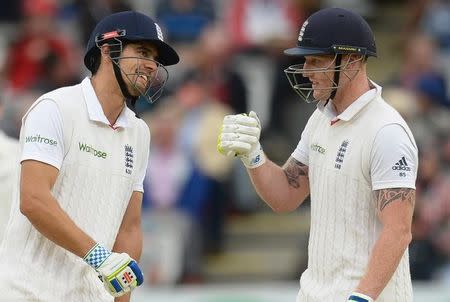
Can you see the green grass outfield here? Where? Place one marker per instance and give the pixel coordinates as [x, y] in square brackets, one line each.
[260, 292]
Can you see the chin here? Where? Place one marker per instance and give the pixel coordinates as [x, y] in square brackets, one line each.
[134, 91]
[319, 96]
[322, 95]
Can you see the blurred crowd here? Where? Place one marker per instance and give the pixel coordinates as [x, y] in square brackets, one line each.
[232, 61]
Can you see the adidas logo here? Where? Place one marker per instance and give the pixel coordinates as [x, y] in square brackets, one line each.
[401, 165]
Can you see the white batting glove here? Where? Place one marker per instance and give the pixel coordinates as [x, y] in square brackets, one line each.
[119, 273]
[357, 297]
[239, 136]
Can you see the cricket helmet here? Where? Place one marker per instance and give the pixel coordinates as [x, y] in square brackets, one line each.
[124, 27]
[330, 31]
[334, 31]
[129, 26]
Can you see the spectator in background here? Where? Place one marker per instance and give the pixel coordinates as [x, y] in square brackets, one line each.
[37, 42]
[8, 164]
[262, 24]
[173, 244]
[431, 17]
[424, 255]
[259, 30]
[200, 123]
[14, 107]
[433, 118]
[217, 68]
[91, 12]
[168, 165]
[184, 199]
[431, 233]
[201, 120]
[418, 58]
[184, 20]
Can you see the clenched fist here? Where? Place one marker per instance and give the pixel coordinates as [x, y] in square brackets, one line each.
[239, 136]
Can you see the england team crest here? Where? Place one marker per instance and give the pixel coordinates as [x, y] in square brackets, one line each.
[129, 159]
[340, 154]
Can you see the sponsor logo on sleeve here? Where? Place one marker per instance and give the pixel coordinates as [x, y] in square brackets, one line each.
[37, 138]
[401, 166]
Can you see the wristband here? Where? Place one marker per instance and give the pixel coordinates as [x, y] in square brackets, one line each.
[254, 159]
[357, 297]
[96, 256]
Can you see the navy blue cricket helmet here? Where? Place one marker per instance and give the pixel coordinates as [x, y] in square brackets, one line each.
[129, 26]
[334, 31]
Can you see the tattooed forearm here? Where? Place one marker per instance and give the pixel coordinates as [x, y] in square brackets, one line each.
[386, 196]
[293, 169]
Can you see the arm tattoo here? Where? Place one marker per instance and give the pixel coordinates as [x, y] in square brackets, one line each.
[293, 169]
[386, 196]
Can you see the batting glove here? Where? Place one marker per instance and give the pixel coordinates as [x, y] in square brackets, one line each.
[357, 297]
[119, 273]
[239, 136]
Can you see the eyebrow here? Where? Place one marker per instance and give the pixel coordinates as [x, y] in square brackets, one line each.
[146, 48]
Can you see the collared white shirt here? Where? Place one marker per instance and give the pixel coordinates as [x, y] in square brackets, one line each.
[327, 108]
[44, 124]
[95, 109]
[369, 148]
[391, 145]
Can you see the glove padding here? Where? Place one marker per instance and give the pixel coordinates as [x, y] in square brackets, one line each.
[119, 273]
[240, 137]
[357, 297]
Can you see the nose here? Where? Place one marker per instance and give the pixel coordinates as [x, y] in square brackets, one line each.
[149, 65]
[306, 70]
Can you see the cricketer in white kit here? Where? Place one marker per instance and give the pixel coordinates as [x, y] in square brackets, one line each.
[99, 169]
[74, 232]
[356, 159]
[371, 148]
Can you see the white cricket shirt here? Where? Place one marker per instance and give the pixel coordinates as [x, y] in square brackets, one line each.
[99, 167]
[367, 147]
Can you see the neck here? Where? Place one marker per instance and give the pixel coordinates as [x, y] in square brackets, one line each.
[350, 92]
[109, 96]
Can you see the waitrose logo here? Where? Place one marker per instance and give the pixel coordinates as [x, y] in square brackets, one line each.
[89, 149]
[40, 140]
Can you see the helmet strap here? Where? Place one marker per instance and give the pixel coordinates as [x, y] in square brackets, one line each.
[337, 73]
[129, 99]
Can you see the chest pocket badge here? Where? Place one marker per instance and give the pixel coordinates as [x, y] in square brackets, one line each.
[129, 159]
[340, 154]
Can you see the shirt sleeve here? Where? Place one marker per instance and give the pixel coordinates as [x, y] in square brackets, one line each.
[301, 152]
[43, 138]
[394, 159]
[139, 181]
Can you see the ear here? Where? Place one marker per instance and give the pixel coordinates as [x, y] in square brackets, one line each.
[105, 50]
[355, 59]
